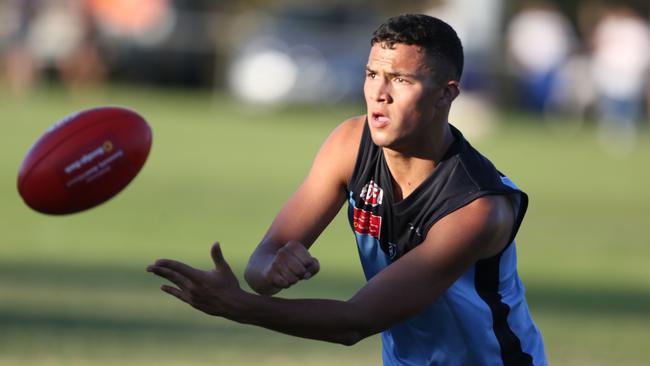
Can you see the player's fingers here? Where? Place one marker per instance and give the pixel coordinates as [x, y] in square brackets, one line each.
[285, 277]
[302, 254]
[288, 264]
[295, 265]
[299, 251]
[312, 268]
[175, 292]
[191, 273]
[177, 278]
[311, 264]
[217, 256]
[279, 282]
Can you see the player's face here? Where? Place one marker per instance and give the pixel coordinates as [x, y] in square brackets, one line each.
[402, 96]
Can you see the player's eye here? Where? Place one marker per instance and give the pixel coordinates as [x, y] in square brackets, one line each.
[371, 74]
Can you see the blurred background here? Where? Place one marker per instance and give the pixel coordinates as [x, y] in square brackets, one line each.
[240, 95]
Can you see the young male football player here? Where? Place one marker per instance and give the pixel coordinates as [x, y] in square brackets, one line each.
[434, 223]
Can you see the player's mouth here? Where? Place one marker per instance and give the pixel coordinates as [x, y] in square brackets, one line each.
[379, 120]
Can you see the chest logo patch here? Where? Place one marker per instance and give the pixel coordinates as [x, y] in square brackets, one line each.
[372, 194]
[365, 222]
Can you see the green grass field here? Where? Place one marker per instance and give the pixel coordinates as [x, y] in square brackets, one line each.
[73, 290]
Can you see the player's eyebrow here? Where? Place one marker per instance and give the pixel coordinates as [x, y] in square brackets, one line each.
[393, 74]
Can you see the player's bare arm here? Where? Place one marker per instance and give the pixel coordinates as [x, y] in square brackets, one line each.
[282, 258]
[476, 231]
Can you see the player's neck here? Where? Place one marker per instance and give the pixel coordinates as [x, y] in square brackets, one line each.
[427, 147]
[409, 170]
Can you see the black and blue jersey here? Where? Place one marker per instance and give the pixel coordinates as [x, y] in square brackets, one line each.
[483, 318]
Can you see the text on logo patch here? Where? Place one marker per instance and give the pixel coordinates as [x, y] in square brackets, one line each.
[367, 223]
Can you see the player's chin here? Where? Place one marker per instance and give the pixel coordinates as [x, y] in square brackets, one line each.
[381, 139]
[390, 143]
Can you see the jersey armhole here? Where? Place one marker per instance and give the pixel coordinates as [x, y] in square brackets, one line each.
[361, 154]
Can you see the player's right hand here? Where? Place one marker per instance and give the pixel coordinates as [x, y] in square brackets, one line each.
[290, 264]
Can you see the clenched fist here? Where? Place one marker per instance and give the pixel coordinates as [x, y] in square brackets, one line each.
[290, 264]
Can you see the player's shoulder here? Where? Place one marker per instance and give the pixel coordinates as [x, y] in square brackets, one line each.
[346, 137]
[350, 130]
[339, 151]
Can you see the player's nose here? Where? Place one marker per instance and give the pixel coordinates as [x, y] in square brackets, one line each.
[379, 91]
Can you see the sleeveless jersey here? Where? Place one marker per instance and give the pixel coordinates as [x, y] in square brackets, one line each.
[483, 318]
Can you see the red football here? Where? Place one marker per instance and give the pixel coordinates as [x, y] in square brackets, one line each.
[84, 160]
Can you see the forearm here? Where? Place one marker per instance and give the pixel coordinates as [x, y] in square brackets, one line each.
[253, 274]
[327, 320]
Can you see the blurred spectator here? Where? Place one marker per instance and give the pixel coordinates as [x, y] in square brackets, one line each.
[478, 24]
[146, 22]
[19, 66]
[162, 42]
[539, 40]
[572, 95]
[83, 66]
[620, 63]
[57, 35]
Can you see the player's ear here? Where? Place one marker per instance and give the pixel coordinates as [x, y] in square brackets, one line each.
[449, 92]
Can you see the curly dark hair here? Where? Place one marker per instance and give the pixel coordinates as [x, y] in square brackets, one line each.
[437, 38]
